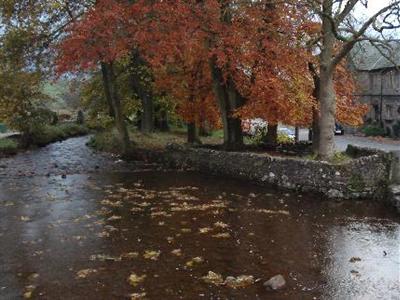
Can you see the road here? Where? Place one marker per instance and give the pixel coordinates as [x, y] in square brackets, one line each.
[342, 141]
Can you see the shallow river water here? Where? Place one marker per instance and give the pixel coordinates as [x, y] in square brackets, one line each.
[79, 225]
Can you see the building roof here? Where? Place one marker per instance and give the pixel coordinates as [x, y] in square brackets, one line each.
[366, 57]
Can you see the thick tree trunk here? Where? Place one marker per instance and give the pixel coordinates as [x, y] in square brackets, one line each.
[112, 91]
[271, 138]
[229, 100]
[107, 90]
[138, 74]
[327, 97]
[315, 131]
[193, 134]
[147, 121]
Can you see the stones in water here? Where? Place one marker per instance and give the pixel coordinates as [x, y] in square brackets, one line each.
[275, 283]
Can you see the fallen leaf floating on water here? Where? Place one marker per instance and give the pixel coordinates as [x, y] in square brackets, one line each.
[213, 278]
[153, 255]
[194, 261]
[134, 279]
[241, 281]
[130, 255]
[136, 296]
[205, 230]
[103, 257]
[103, 234]
[354, 259]
[25, 219]
[270, 212]
[111, 203]
[221, 225]
[223, 235]
[177, 252]
[85, 273]
[29, 291]
[114, 218]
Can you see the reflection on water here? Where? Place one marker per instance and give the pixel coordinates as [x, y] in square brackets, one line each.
[175, 227]
[372, 247]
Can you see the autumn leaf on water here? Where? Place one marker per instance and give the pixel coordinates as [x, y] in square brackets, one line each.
[150, 254]
[213, 278]
[114, 218]
[221, 225]
[85, 273]
[29, 291]
[239, 282]
[194, 261]
[205, 230]
[134, 279]
[130, 255]
[136, 296]
[223, 235]
[177, 252]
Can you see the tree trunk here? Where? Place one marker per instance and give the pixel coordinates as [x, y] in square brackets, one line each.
[110, 86]
[327, 97]
[107, 90]
[326, 147]
[271, 138]
[139, 73]
[193, 134]
[315, 131]
[229, 100]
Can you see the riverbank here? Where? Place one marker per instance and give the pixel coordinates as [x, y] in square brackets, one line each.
[47, 135]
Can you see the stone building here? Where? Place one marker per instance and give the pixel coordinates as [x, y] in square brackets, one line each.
[379, 85]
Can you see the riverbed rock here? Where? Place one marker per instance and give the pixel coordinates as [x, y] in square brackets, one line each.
[277, 282]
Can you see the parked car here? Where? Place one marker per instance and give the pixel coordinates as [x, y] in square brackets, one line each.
[253, 126]
[286, 131]
[339, 130]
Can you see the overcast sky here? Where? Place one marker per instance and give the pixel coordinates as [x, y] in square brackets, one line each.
[373, 7]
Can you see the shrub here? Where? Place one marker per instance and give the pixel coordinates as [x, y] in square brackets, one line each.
[106, 141]
[373, 130]
[8, 146]
[285, 139]
[44, 135]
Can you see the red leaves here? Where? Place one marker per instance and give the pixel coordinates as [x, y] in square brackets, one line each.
[100, 36]
[256, 43]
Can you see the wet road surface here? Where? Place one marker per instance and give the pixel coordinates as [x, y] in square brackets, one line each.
[112, 230]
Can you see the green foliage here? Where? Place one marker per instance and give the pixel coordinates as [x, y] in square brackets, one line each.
[8, 146]
[47, 134]
[373, 130]
[283, 138]
[106, 141]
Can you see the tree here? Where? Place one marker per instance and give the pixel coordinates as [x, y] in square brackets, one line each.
[338, 34]
[100, 37]
[247, 52]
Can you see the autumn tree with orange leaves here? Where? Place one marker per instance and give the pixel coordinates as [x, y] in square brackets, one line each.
[222, 61]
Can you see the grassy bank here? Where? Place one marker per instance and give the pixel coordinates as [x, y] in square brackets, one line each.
[51, 134]
[41, 137]
[107, 141]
